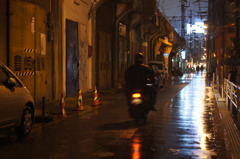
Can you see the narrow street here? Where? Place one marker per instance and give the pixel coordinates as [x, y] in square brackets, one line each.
[186, 125]
[65, 65]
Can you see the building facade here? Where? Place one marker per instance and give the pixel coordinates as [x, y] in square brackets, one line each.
[61, 46]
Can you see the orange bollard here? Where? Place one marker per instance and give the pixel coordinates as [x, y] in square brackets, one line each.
[80, 101]
[96, 100]
[62, 106]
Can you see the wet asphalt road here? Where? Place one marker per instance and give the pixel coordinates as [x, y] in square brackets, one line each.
[186, 125]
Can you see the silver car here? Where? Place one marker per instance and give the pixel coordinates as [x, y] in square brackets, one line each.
[16, 103]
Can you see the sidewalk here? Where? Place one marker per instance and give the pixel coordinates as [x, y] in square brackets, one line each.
[231, 132]
[52, 108]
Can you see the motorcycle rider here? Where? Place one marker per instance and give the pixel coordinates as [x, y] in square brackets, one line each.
[137, 76]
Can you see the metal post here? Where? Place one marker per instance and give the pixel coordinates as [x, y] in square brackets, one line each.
[238, 105]
[231, 98]
[43, 118]
[183, 18]
[226, 91]
[222, 82]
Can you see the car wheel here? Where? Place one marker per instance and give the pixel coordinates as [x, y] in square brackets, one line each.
[26, 123]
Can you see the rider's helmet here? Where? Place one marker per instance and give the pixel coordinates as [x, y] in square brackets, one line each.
[139, 58]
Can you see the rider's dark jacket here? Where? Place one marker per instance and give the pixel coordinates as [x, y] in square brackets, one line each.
[137, 76]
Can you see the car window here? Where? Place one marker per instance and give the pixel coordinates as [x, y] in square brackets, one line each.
[3, 76]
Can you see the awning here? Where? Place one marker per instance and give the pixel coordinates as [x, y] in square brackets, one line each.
[168, 47]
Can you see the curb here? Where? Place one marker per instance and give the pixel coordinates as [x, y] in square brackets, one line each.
[231, 132]
[51, 108]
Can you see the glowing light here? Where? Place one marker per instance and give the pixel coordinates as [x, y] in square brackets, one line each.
[202, 137]
[189, 29]
[165, 54]
[136, 95]
[183, 54]
[197, 28]
[136, 148]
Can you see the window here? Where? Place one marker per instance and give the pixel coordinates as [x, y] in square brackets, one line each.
[3, 76]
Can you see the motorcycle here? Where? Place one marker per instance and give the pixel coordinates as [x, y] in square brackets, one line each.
[139, 105]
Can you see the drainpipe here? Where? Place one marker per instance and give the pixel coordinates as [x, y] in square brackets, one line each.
[56, 12]
[8, 32]
[35, 54]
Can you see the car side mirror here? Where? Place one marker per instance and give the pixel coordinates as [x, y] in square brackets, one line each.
[11, 83]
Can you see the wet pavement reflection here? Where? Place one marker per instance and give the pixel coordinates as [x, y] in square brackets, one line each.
[136, 145]
[185, 126]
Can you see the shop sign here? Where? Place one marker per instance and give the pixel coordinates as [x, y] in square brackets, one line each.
[165, 54]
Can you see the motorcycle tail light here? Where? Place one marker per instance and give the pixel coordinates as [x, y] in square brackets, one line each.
[136, 95]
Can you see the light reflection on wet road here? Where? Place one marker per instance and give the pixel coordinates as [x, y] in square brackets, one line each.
[181, 128]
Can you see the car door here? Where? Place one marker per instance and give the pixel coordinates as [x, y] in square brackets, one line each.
[8, 101]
